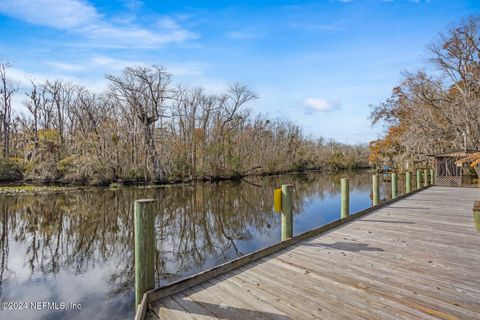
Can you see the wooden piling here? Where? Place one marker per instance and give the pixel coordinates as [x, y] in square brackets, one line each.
[394, 185]
[144, 227]
[476, 215]
[419, 179]
[345, 198]
[408, 182]
[376, 189]
[287, 212]
[425, 177]
[432, 176]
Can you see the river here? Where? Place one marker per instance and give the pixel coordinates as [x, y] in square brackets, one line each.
[77, 247]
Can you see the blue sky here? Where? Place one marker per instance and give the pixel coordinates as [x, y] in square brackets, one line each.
[318, 63]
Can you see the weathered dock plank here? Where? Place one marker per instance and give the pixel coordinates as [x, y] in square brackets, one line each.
[418, 258]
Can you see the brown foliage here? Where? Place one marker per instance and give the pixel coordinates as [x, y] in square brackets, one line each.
[144, 129]
[440, 111]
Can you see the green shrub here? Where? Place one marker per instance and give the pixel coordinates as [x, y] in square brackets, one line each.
[67, 165]
[115, 185]
[11, 170]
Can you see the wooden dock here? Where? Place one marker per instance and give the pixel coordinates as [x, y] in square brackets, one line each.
[416, 258]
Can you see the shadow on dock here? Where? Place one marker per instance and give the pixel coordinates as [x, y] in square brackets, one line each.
[224, 312]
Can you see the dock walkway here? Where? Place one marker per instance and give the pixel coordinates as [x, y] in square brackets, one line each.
[417, 258]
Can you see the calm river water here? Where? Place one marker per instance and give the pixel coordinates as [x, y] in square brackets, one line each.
[77, 247]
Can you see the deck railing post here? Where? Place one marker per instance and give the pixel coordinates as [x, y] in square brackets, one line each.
[425, 177]
[419, 179]
[287, 212]
[408, 182]
[345, 198]
[432, 176]
[394, 185]
[376, 189]
[476, 215]
[144, 228]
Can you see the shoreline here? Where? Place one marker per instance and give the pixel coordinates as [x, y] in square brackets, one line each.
[45, 187]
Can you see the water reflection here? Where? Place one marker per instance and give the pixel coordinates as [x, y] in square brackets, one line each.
[77, 246]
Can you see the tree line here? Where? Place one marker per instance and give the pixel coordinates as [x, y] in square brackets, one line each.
[436, 109]
[145, 128]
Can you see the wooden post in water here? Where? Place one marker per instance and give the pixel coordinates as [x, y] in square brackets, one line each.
[419, 179]
[425, 177]
[376, 189]
[476, 215]
[144, 247]
[345, 198]
[394, 185]
[432, 176]
[287, 212]
[408, 182]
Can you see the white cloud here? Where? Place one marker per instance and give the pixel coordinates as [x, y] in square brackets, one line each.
[107, 35]
[80, 17]
[60, 14]
[110, 64]
[113, 64]
[90, 73]
[23, 77]
[320, 105]
[192, 73]
[69, 67]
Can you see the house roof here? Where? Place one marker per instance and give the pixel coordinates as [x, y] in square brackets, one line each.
[473, 158]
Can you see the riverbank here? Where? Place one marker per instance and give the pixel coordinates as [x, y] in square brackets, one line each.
[34, 189]
[56, 186]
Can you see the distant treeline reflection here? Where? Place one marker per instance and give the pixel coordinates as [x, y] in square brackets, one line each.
[197, 226]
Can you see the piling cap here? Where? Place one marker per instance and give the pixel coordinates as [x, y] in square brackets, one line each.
[145, 200]
[476, 205]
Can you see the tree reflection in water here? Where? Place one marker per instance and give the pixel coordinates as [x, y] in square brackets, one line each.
[89, 234]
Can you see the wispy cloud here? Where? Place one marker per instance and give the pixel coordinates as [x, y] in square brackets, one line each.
[133, 5]
[80, 17]
[69, 67]
[191, 72]
[24, 79]
[59, 14]
[313, 105]
[90, 72]
[110, 64]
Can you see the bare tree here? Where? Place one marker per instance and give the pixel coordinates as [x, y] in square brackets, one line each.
[434, 112]
[142, 128]
[35, 103]
[145, 91]
[7, 90]
[61, 97]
